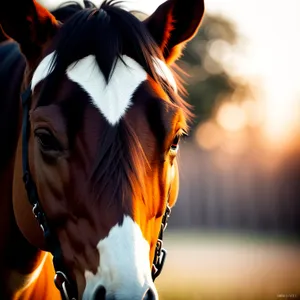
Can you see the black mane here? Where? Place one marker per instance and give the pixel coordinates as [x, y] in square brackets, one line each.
[68, 9]
[107, 33]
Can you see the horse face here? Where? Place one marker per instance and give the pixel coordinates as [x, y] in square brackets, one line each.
[106, 185]
[105, 127]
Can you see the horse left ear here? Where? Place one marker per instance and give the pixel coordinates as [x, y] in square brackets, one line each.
[173, 24]
[28, 23]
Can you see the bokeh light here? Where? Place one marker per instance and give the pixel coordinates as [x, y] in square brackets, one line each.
[231, 117]
[209, 136]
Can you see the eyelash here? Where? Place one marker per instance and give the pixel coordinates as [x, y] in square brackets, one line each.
[175, 143]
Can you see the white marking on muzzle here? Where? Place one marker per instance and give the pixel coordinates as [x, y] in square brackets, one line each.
[124, 268]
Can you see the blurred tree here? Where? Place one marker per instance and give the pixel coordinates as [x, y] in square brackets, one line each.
[207, 81]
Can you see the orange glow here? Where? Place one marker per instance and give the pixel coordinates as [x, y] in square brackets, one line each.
[282, 121]
[41, 287]
[231, 117]
[261, 58]
[253, 112]
[209, 136]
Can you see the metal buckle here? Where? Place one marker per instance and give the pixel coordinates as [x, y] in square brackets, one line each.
[166, 217]
[61, 282]
[158, 249]
[160, 253]
[38, 215]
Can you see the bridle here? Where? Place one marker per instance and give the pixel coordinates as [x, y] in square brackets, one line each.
[63, 281]
[160, 252]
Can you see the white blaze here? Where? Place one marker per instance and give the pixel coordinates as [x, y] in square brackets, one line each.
[43, 69]
[112, 98]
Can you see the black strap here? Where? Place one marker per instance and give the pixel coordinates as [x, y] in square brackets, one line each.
[52, 242]
[29, 184]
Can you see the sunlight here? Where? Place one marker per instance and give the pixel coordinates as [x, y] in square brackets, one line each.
[209, 136]
[281, 121]
[253, 111]
[268, 55]
[282, 111]
[231, 117]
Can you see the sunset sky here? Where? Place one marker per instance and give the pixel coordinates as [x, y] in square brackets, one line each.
[271, 55]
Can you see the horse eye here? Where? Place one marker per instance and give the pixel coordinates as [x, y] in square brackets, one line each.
[175, 144]
[47, 141]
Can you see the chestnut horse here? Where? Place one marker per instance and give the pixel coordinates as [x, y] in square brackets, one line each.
[90, 123]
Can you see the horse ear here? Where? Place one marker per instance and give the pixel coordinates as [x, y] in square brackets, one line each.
[173, 24]
[28, 23]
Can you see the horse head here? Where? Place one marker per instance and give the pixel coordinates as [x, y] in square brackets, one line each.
[102, 121]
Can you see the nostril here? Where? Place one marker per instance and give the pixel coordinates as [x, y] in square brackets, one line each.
[100, 293]
[149, 295]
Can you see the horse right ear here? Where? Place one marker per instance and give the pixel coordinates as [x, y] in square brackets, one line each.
[28, 23]
[173, 24]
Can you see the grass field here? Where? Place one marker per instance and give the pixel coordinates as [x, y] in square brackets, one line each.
[217, 266]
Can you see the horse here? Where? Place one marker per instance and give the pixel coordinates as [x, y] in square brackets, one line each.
[91, 117]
